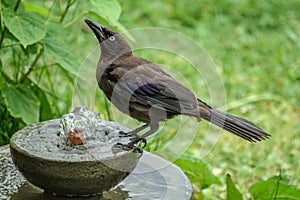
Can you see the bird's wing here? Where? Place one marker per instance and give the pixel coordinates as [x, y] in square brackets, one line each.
[149, 83]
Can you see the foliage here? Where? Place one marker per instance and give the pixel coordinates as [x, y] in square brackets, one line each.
[28, 110]
[201, 176]
[197, 171]
[275, 188]
[255, 45]
[232, 192]
[36, 51]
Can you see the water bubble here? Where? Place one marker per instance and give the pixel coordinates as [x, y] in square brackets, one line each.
[80, 124]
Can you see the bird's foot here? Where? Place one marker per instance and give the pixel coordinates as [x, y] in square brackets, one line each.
[127, 134]
[133, 145]
[138, 139]
[127, 147]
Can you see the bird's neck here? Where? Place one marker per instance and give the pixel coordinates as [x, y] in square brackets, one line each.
[107, 60]
[110, 57]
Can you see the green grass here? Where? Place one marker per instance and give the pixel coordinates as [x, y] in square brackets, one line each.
[256, 47]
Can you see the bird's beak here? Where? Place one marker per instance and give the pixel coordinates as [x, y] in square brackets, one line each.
[98, 30]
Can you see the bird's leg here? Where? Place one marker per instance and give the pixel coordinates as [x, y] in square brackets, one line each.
[153, 128]
[134, 132]
[132, 145]
[157, 113]
[119, 146]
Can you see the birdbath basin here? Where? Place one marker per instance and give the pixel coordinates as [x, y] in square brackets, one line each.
[153, 178]
[47, 158]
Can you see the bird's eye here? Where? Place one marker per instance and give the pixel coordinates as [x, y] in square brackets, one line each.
[112, 38]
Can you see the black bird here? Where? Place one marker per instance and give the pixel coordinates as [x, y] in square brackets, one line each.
[141, 89]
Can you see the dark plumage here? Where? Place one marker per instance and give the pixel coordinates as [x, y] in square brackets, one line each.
[144, 91]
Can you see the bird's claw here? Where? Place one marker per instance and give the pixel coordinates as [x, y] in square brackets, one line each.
[128, 147]
[124, 134]
[137, 140]
[132, 145]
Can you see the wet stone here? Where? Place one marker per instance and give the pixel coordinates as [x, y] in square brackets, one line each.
[46, 156]
[153, 178]
[43, 163]
[10, 178]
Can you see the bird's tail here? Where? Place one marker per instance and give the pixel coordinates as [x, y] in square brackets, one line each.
[236, 125]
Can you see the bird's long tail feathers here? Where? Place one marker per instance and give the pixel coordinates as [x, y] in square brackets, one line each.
[236, 125]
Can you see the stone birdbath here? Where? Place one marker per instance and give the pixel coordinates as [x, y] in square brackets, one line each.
[75, 156]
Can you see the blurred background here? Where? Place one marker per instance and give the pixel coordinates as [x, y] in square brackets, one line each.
[254, 44]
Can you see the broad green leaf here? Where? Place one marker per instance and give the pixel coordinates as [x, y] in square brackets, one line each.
[110, 10]
[8, 3]
[45, 110]
[30, 7]
[274, 189]
[232, 192]
[27, 27]
[56, 29]
[62, 54]
[197, 172]
[22, 103]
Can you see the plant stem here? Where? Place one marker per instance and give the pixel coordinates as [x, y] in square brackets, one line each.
[2, 25]
[277, 185]
[70, 3]
[75, 20]
[32, 66]
[17, 5]
[2, 37]
[11, 45]
[1, 21]
[6, 77]
[106, 104]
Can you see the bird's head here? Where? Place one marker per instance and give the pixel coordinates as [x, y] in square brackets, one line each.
[112, 43]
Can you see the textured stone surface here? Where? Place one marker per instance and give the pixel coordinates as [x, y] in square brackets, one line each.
[153, 178]
[47, 161]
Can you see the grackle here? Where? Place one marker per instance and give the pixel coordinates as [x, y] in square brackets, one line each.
[141, 89]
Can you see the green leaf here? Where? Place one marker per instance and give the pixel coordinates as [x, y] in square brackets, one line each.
[22, 103]
[30, 7]
[62, 54]
[197, 171]
[8, 3]
[45, 110]
[110, 10]
[27, 27]
[57, 30]
[2, 79]
[274, 189]
[232, 192]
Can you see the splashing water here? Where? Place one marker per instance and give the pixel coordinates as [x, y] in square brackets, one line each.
[88, 125]
[79, 120]
[52, 139]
